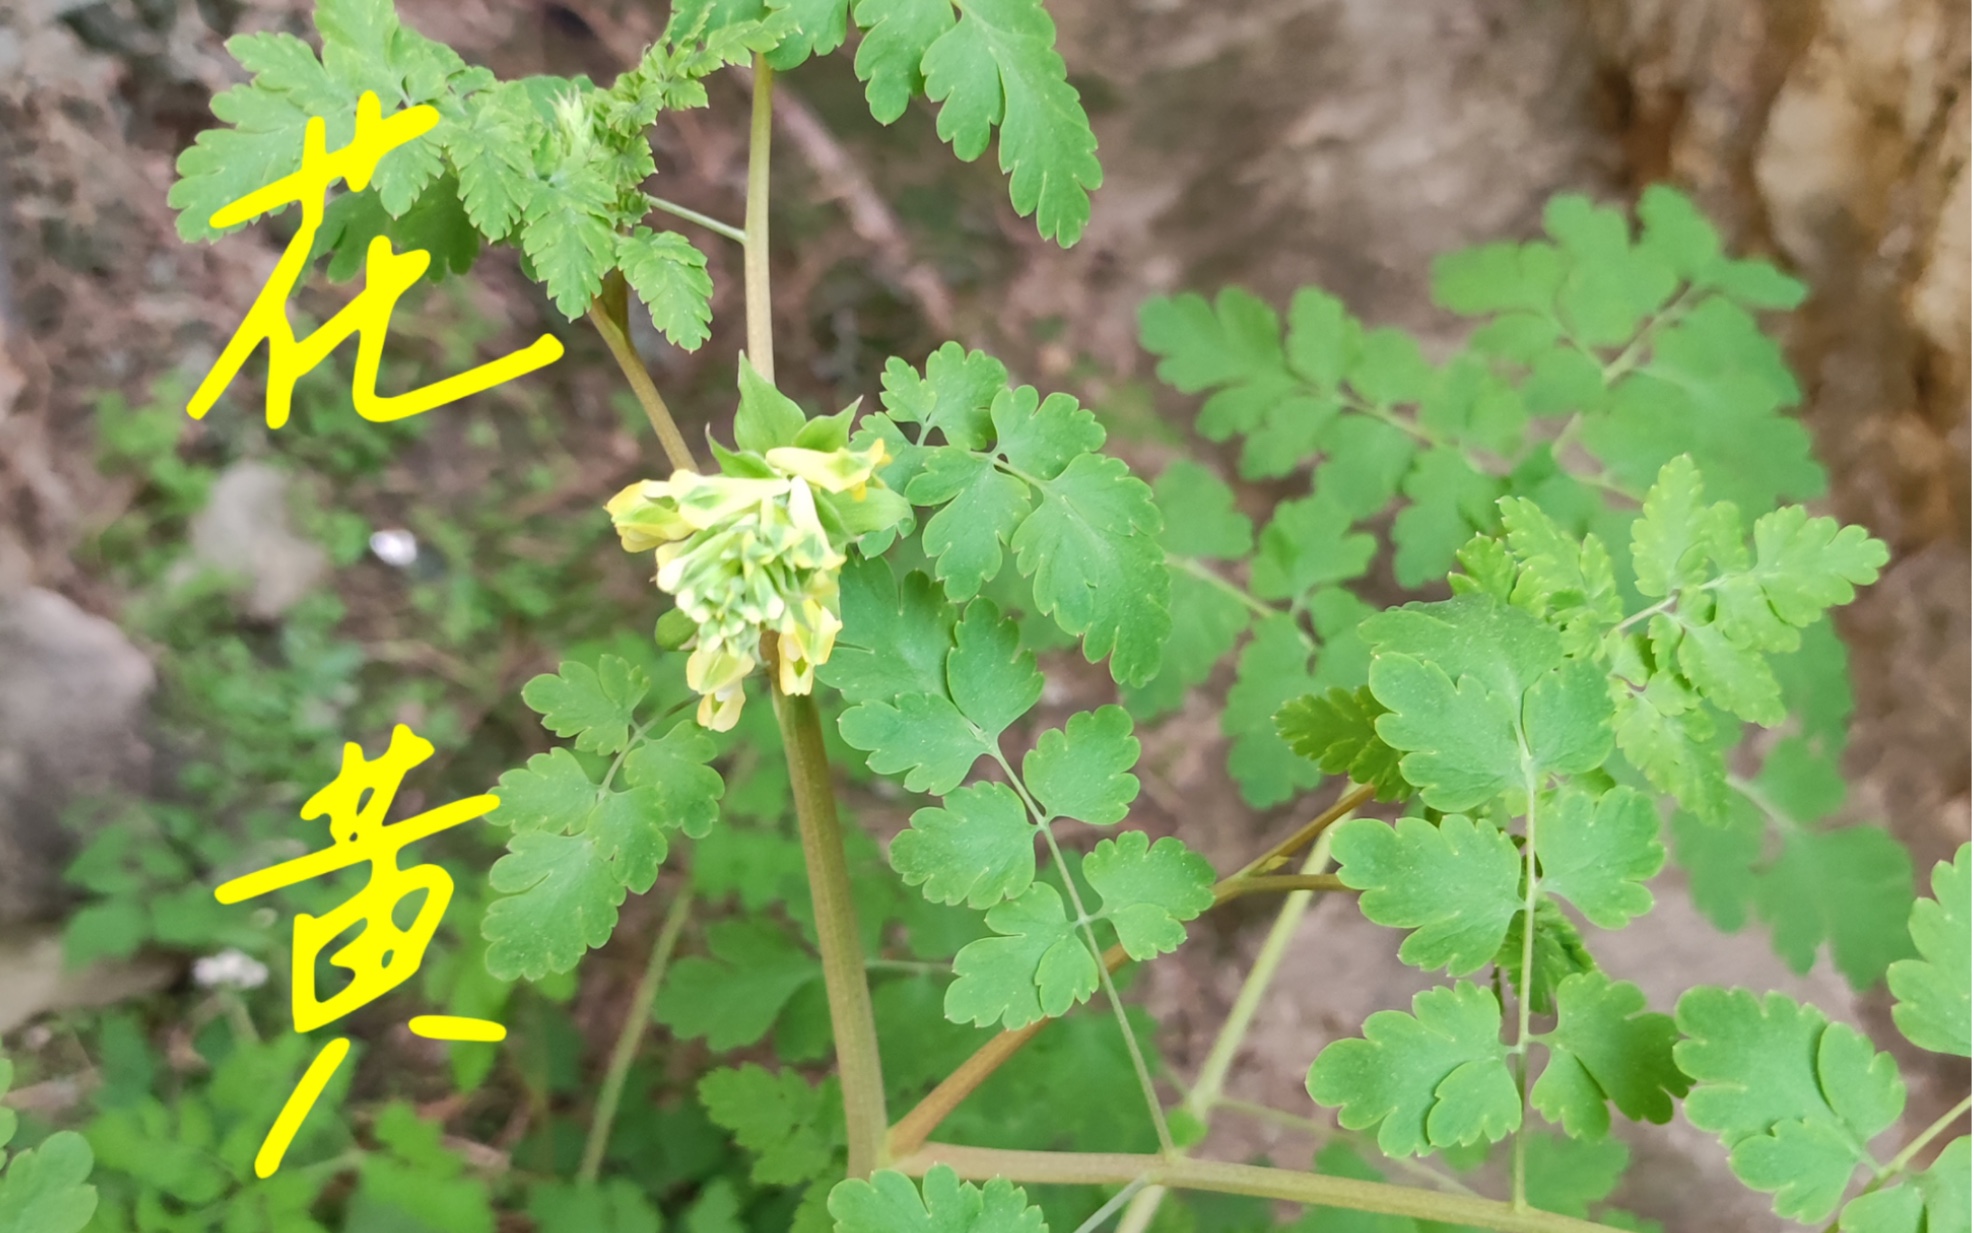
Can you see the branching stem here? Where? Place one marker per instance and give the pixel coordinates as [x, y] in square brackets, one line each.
[707, 221]
[631, 1035]
[1104, 966]
[610, 314]
[1293, 1186]
[917, 1125]
[1206, 1094]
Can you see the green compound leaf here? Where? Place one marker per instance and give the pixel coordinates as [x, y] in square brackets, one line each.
[1037, 967]
[669, 275]
[978, 849]
[1092, 549]
[1678, 538]
[890, 1203]
[819, 27]
[593, 705]
[577, 849]
[1936, 1200]
[1040, 436]
[1454, 885]
[1793, 1097]
[1676, 746]
[613, 1206]
[1206, 622]
[1149, 890]
[1598, 853]
[45, 1189]
[672, 779]
[552, 793]
[998, 67]
[733, 998]
[1338, 732]
[1606, 1047]
[1566, 719]
[1438, 1077]
[788, 1125]
[1453, 675]
[896, 635]
[1932, 991]
[1273, 669]
[959, 387]
[924, 736]
[1082, 771]
[991, 678]
[562, 892]
[1201, 519]
[1850, 889]
[1558, 954]
[567, 234]
[1307, 545]
[983, 507]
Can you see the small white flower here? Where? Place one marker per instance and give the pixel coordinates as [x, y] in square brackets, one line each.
[396, 548]
[229, 969]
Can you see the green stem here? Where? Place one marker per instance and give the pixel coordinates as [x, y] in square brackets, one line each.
[1323, 1134]
[1899, 1163]
[1522, 995]
[1905, 1157]
[1138, 1063]
[1135, 1188]
[1205, 1095]
[858, 1067]
[760, 312]
[1262, 609]
[1289, 1185]
[707, 221]
[1285, 883]
[610, 314]
[632, 1035]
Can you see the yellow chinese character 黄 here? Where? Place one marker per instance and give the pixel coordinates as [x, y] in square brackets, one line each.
[382, 956]
[386, 277]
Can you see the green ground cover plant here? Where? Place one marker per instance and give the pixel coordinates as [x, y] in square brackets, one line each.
[1620, 656]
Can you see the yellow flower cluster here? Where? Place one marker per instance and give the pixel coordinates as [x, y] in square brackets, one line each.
[747, 557]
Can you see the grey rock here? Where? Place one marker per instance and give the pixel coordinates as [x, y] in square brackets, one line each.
[244, 531]
[71, 691]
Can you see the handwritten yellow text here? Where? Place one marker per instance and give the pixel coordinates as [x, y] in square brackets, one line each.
[387, 276]
[382, 955]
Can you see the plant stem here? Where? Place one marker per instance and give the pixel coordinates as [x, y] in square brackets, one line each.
[1097, 953]
[1285, 883]
[1193, 566]
[1294, 1186]
[1304, 835]
[1522, 995]
[760, 312]
[924, 1117]
[1323, 1134]
[1134, 1189]
[858, 1067]
[610, 314]
[1900, 1162]
[631, 1035]
[1205, 1095]
[1946, 1120]
[707, 221]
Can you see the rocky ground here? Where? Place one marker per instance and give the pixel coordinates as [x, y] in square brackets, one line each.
[1270, 143]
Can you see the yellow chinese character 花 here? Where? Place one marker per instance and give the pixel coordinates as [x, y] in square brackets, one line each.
[382, 956]
[387, 276]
